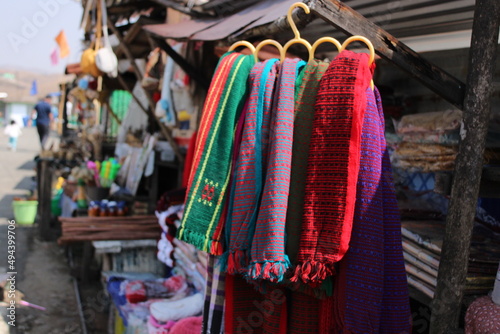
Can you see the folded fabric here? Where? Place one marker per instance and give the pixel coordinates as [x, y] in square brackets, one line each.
[371, 289]
[333, 166]
[249, 170]
[212, 162]
[268, 260]
[164, 311]
[430, 122]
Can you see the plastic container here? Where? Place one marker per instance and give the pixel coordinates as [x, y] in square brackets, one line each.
[25, 212]
[55, 204]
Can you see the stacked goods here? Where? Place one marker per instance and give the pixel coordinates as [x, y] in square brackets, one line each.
[109, 228]
[428, 141]
[422, 244]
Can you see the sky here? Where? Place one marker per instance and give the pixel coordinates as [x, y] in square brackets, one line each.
[28, 29]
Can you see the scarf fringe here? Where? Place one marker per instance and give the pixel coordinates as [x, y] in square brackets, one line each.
[313, 272]
[273, 271]
[216, 248]
[237, 262]
[196, 239]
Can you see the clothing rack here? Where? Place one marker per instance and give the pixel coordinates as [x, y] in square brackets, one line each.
[473, 98]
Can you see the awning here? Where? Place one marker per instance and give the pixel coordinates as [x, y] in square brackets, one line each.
[181, 30]
[263, 12]
[420, 18]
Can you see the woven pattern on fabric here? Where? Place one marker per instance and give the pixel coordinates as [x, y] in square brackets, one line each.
[333, 166]
[268, 258]
[248, 311]
[249, 170]
[213, 310]
[396, 313]
[371, 291]
[304, 314]
[302, 129]
[212, 163]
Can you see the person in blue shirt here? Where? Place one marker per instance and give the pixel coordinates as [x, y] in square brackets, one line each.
[44, 118]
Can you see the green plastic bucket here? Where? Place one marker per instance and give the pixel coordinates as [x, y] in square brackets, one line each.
[24, 211]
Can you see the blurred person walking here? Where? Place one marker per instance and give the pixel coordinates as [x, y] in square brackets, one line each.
[13, 131]
[44, 118]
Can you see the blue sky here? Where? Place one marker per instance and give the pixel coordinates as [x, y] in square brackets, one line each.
[28, 29]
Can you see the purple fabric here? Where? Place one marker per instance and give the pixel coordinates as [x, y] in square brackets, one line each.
[371, 288]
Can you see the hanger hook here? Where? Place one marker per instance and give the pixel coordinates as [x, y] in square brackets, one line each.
[290, 20]
[269, 42]
[323, 40]
[242, 43]
[364, 40]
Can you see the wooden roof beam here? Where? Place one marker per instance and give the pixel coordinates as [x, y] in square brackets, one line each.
[387, 46]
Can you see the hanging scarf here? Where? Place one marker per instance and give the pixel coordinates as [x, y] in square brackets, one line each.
[248, 178]
[371, 289]
[248, 311]
[212, 163]
[268, 258]
[332, 169]
[213, 310]
[307, 84]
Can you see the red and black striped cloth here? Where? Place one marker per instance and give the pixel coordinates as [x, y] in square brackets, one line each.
[333, 166]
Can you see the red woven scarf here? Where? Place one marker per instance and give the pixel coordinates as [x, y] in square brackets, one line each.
[333, 167]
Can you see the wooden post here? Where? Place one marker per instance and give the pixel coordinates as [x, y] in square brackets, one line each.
[467, 174]
[44, 199]
[61, 109]
[112, 113]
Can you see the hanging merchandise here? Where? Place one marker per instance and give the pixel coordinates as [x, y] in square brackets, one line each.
[213, 310]
[307, 84]
[165, 106]
[307, 200]
[105, 58]
[208, 183]
[376, 231]
[333, 166]
[155, 65]
[88, 59]
[268, 258]
[248, 178]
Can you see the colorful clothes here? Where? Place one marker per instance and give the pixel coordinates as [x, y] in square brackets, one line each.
[268, 258]
[210, 173]
[307, 88]
[250, 168]
[333, 167]
[371, 289]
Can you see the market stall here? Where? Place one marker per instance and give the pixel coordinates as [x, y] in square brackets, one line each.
[153, 109]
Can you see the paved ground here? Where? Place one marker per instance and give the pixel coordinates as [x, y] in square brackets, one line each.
[42, 273]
